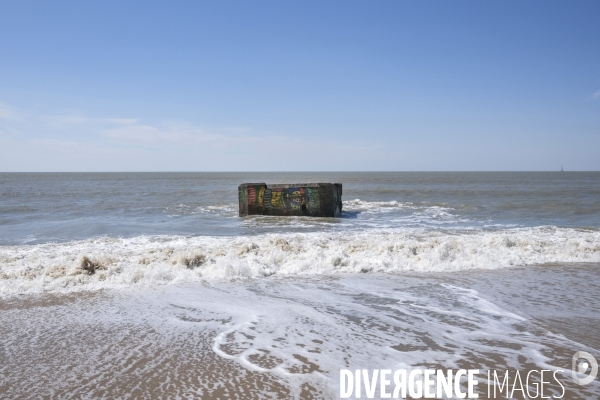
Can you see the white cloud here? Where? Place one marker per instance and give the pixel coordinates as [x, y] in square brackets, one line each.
[245, 151]
[77, 142]
[147, 148]
[73, 120]
[122, 121]
[596, 95]
[8, 113]
[148, 134]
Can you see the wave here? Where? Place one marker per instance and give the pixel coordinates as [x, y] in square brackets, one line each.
[383, 206]
[155, 260]
[362, 205]
[354, 205]
[408, 212]
[223, 210]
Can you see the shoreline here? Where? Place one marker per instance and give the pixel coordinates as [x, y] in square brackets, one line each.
[290, 336]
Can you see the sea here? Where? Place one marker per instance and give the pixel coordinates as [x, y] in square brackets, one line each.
[149, 285]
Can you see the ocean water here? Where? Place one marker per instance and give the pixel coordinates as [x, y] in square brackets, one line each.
[149, 285]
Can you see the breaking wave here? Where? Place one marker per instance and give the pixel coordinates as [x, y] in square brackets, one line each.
[156, 260]
[223, 210]
[362, 205]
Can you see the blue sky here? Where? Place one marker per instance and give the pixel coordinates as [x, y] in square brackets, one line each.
[271, 85]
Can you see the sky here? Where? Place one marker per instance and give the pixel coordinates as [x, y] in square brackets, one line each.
[299, 85]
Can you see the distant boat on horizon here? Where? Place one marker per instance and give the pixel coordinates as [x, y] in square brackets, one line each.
[561, 169]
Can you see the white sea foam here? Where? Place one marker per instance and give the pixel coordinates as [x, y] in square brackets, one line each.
[297, 330]
[375, 206]
[222, 210]
[155, 260]
[395, 214]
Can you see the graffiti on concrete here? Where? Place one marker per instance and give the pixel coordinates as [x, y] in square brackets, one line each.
[300, 199]
[313, 198]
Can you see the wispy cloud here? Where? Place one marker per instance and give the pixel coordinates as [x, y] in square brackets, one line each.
[596, 95]
[78, 142]
[8, 113]
[147, 134]
[71, 120]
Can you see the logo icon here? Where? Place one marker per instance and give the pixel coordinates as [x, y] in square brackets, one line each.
[580, 367]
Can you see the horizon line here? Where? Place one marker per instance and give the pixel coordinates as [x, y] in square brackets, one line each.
[270, 171]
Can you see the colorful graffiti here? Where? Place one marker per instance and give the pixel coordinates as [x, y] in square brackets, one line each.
[313, 199]
[295, 197]
[255, 195]
[261, 195]
[251, 195]
[277, 199]
[317, 200]
[268, 198]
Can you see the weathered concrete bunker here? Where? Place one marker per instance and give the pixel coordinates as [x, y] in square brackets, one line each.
[301, 199]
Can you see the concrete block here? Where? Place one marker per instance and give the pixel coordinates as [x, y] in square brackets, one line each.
[300, 199]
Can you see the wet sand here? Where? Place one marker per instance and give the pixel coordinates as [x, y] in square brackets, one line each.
[288, 337]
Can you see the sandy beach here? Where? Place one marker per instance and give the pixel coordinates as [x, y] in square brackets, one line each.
[289, 337]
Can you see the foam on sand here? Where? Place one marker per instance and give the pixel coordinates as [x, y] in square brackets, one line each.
[276, 338]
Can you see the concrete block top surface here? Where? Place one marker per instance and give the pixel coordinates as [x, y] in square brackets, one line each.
[290, 199]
